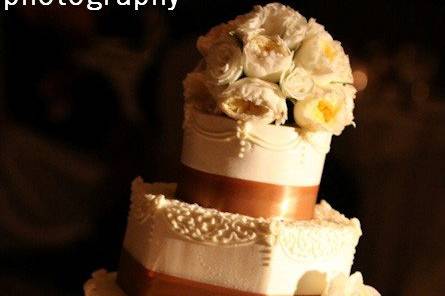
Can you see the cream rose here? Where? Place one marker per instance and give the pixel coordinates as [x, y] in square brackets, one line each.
[348, 90]
[254, 99]
[342, 285]
[197, 92]
[327, 110]
[273, 19]
[341, 74]
[313, 28]
[325, 58]
[296, 83]
[224, 62]
[250, 24]
[205, 42]
[266, 58]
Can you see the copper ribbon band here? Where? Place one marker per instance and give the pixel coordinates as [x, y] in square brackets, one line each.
[135, 280]
[245, 197]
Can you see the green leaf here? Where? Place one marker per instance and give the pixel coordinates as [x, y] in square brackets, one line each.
[342, 82]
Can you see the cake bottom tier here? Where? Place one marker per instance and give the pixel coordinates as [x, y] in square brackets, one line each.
[104, 283]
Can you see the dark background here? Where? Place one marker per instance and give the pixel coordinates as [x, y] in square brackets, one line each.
[90, 100]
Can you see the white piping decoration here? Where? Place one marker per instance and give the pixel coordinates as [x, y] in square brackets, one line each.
[247, 137]
[328, 234]
[217, 136]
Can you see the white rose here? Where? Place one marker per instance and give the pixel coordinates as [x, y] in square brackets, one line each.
[273, 19]
[224, 62]
[325, 58]
[342, 74]
[254, 99]
[342, 285]
[313, 28]
[215, 34]
[250, 24]
[349, 90]
[214, 89]
[266, 58]
[296, 83]
[327, 110]
[197, 92]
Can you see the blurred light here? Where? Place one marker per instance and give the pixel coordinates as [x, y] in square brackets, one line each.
[420, 90]
[360, 79]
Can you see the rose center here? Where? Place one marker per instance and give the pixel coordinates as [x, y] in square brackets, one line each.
[240, 106]
[267, 47]
[325, 111]
[329, 52]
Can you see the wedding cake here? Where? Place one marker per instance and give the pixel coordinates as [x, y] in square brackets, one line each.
[260, 110]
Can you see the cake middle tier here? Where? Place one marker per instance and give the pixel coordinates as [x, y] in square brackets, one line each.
[170, 241]
[250, 168]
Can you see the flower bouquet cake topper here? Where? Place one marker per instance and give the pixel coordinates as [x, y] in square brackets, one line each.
[254, 63]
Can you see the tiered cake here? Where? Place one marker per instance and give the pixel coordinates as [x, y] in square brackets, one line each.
[243, 218]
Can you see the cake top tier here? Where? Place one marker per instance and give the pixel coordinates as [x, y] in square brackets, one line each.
[252, 65]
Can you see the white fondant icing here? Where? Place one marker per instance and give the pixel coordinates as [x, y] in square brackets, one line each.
[235, 251]
[253, 151]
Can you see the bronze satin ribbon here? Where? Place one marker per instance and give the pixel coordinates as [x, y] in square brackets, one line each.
[135, 280]
[245, 197]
